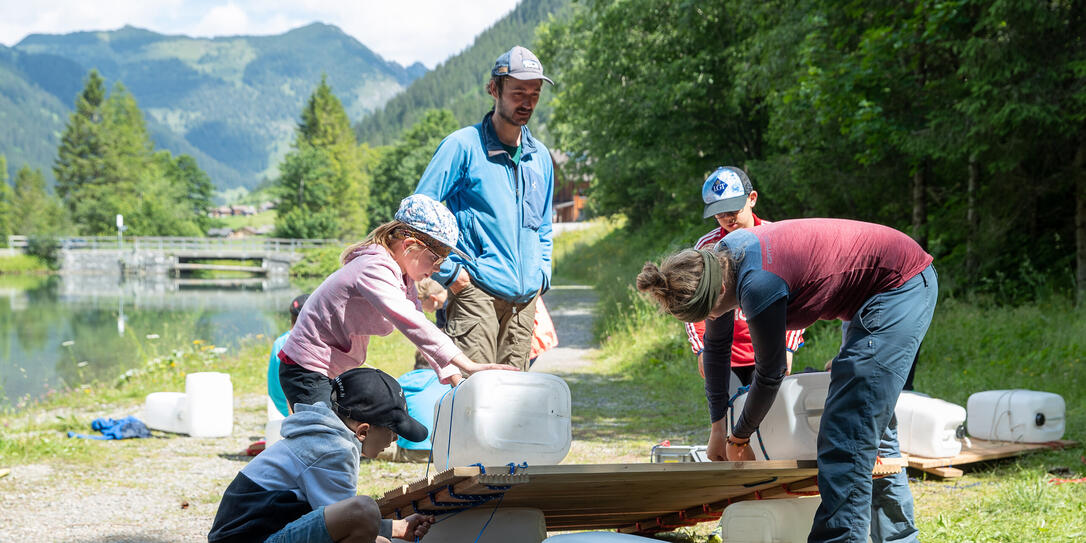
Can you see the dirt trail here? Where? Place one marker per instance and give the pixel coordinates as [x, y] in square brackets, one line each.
[571, 308]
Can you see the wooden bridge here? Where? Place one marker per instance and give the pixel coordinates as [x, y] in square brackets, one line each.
[150, 256]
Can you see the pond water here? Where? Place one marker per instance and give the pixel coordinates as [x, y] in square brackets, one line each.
[60, 332]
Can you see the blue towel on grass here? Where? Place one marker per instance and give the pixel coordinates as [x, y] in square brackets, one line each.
[125, 428]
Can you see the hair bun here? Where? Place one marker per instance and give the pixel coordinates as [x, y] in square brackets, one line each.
[652, 280]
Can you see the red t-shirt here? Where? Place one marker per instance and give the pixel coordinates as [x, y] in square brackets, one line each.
[830, 266]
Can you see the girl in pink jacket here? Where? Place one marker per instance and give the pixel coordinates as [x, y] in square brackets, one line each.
[372, 294]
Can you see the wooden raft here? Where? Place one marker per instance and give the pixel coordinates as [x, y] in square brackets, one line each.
[633, 498]
[980, 450]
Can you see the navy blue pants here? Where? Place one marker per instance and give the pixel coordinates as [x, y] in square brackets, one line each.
[858, 421]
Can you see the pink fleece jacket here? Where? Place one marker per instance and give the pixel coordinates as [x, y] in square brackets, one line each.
[370, 295]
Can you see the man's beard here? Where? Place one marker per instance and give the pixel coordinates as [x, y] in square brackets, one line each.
[508, 117]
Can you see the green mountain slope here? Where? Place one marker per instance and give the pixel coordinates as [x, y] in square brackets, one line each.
[458, 84]
[31, 117]
[232, 102]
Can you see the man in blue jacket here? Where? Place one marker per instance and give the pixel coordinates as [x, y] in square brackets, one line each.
[499, 181]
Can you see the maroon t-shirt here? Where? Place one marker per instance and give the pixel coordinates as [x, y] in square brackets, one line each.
[831, 266]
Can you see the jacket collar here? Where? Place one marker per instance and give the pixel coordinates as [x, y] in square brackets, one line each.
[494, 145]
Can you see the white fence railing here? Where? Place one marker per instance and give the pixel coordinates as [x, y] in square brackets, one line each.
[274, 245]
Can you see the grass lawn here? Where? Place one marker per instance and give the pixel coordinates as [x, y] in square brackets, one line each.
[235, 222]
[22, 264]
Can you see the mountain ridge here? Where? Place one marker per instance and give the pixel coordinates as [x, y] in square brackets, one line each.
[231, 102]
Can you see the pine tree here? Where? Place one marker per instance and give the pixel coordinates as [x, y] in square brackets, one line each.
[398, 170]
[322, 186]
[35, 212]
[106, 165]
[80, 157]
[5, 203]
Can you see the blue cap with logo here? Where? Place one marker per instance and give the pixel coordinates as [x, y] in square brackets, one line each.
[432, 218]
[519, 63]
[725, 191]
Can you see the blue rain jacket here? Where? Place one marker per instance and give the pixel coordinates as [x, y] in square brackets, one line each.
[503, 211]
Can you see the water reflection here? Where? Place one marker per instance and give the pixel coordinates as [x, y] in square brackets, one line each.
[60, 332]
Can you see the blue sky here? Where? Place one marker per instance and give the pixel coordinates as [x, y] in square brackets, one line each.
[405, 31]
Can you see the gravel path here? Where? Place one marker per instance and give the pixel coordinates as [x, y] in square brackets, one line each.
[570, 307]
[167, 489]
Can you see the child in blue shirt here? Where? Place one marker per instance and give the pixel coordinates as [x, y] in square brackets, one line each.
[275, 390]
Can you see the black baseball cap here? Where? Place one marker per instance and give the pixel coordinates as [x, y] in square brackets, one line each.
[297, 303]
[372, 396]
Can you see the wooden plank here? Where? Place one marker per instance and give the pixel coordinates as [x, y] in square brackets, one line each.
[980, 450]
[630, 497]
[945, 472]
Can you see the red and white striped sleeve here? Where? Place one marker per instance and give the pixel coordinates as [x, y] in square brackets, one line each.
[793, 339]
[695, 331]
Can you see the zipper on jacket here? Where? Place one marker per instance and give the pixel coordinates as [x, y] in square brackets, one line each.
[520, 216]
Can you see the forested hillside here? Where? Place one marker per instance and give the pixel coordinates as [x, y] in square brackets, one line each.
[230, 102]
[960, 122]
[458, 83]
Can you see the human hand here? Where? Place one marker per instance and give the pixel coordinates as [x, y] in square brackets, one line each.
[476, 368]
[715, 449]
[469, 367]
[461, 282]
[788, 362]
[412, 527]
[701, 366]
[738, 450]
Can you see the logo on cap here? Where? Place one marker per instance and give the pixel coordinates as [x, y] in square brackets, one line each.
[728, 185]
[530, 64]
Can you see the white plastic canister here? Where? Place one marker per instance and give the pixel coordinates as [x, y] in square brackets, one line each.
[497, 417]
[787, 520]
[209, 411]
[1025, 416]
[165, 411]
[519, 525]
[789, 430]
[598, 537]
[929, 426]
[275, 422]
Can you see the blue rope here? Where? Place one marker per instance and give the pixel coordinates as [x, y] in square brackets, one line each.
[739, 392]
[496, 506]
[448, 442]
[731, 411]
[437, 419]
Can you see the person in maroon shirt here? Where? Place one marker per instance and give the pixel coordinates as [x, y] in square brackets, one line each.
[787, 275]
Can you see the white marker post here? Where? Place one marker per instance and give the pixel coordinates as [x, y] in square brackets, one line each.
[120, 229]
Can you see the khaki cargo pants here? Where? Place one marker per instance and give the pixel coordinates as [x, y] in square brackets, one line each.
[490, 330]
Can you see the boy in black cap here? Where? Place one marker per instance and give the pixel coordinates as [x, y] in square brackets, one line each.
[303, 488]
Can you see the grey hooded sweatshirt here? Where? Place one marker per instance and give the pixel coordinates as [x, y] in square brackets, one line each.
[315, 464]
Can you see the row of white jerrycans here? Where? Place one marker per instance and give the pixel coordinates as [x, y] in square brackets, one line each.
[493, 418]
[927, 426]
[205, 409]
[511, 525]
[755, 521]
